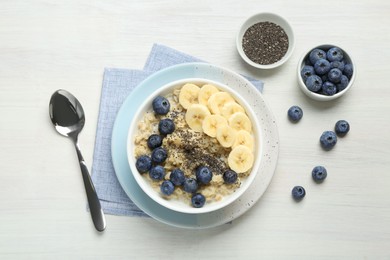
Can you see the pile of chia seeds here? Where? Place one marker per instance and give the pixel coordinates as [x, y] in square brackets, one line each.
[265, 43]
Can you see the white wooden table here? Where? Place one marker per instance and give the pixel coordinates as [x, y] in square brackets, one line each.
[47, 45]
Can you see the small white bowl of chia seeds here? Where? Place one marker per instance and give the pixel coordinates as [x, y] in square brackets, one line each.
[265, 41]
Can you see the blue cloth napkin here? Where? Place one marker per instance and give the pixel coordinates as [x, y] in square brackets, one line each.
[117, 85]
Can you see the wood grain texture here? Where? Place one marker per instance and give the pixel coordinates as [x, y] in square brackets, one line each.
[46, 45]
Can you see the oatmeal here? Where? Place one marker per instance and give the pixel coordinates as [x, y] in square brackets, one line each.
[202, 135]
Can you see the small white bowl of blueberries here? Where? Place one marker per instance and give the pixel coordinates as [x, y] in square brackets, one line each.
[326, 72]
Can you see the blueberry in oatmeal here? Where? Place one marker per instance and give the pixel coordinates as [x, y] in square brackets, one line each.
[166, 126]
[177, 177]
[159, 155]
[154, 141]
[143, 163]
[157, 173]
[167, 188]
[230, 176]
[161, 105]
[198, 200]
[190, 185]
[204, 174]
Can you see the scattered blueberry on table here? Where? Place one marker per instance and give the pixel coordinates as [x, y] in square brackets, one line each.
[319, 174]
[161, 105]
[167, 187]
[198, 200]
[143, 163]
[328, 140]
[298, 192]
[295, 113]
[342, 127]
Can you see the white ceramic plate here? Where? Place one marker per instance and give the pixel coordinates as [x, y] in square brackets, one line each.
[268, 130]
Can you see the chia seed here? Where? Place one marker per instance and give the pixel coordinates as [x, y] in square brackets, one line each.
[265, 43]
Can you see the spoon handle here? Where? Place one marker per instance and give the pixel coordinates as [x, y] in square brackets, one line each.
[97, 213]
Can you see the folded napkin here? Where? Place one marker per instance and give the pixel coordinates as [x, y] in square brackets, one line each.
[117, 85]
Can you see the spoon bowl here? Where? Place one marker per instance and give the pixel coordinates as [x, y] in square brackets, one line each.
[68, 118]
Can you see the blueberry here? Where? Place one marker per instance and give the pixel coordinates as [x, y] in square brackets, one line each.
[328, 140]
[161, 105]
[306, 72]
[329, 89]
[230, 176]
[337, 65]
[190, 185]
[314, 83]
[177, 177]
[319, 173]
[157, 173]
[316, 54]
[334, 75]
[198, 200]
[159, 155]
[203, 174]
[324, 78]
[167, 188]
[322, 66]
[143, 163]
[348, 70]
[334, 54]
[154, 141]
[343, 83]
[298, 192]
[341, 128]
[166, 126]
[295, 113]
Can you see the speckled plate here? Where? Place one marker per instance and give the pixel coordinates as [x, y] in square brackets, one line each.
[268, 130]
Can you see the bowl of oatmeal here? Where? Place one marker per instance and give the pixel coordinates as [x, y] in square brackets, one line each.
[194, 146]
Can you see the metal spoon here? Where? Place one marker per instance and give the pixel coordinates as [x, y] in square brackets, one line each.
[67, 116]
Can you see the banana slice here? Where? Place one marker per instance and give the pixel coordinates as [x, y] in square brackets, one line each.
[188, 95]
[205, 93]
[240, 121]
[211, 123]
[226, 136]
[230, 108]
[244, 138]
[217, 101]
[240, 159]
[195, 115]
